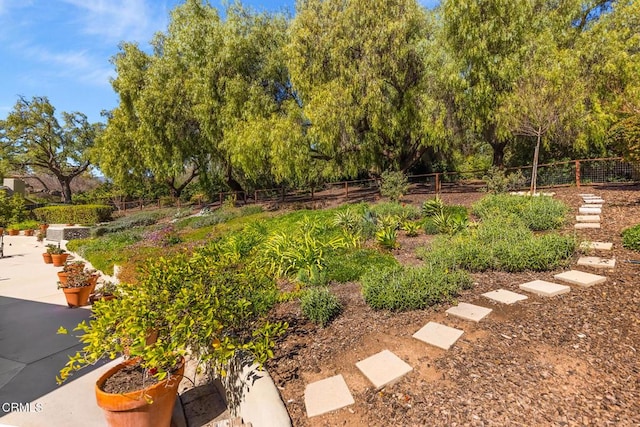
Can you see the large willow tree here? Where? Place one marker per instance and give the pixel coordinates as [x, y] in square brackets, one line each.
[194, 107]
[360, 72]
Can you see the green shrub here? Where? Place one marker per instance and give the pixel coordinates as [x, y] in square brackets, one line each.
[538, 213]
[504, 244]
[631, 238]
[497, 181]
[74, 214]
[410, 288]
[319, 305]
[394, 185]
[411, 228]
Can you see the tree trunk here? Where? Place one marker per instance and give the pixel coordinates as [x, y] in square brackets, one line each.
[498, 153]
[534, 169]
[66, 189]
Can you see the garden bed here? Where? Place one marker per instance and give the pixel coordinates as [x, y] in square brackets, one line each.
[567, 360]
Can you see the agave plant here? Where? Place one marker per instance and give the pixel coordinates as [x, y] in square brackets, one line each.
[387, 237]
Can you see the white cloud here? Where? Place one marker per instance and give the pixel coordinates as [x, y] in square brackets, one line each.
[121, 20]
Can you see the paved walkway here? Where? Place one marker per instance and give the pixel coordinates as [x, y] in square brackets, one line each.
[385, 368]
[31, 352]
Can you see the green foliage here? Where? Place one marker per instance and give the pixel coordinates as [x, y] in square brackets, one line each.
[29, 224]
[497, 181]
[412, 228]
[197, 303]
[319, 305]
[139, 219]
[312, 276]
[410, 288]
[39, 143]
[501, 243]
[433, 206]
[624, 136]
[349, 265]
[401, 211]
[441, 218]
[394, 185]
[387, 237]
[11, 209]
[631, 238]
[538, 213]
[107, 250]
[74, 214]
[303, 246]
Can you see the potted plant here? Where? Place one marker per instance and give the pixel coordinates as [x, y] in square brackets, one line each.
[58, 255]
[47, 255]
[79, 284]
[106, 291]
[200, 305]
[13, 230]
[75, 267]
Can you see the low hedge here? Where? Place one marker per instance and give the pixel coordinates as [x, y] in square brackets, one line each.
[74, 214]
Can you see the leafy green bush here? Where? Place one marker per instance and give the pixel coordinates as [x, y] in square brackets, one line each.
[11, 209]
[387, 237]
[410, 288]
[497, 181]
[74, 214]
[538, 213]
[504, 244]
[394, 185]
[631, 238]
[319, 305]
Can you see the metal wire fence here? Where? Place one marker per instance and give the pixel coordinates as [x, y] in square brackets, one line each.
[567, 173]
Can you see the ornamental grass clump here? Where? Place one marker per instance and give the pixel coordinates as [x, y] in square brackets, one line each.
[401, 288]
[537, 213]
[503, 244]
[319, 305]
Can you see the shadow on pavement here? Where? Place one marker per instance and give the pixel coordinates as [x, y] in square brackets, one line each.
[31, 351]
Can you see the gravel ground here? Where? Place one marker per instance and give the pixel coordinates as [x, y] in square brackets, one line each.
[570, 360]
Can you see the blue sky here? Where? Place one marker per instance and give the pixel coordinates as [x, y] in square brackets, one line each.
[61, 48]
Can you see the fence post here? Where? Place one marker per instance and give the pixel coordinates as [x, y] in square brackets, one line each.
[346, 189]
[282, 190]
[437, 183]
[578, 173]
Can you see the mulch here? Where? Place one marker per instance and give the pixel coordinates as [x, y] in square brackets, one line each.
[570, 360]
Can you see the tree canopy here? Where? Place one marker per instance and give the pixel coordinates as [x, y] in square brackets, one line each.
[346, 88]
[33, 140]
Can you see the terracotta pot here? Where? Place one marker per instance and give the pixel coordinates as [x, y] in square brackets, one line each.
[134, 409]
[47, 258]
[28, 232]
[62, 277]
[43, 228]
[13, 232]
[77, 297]
[59, 259]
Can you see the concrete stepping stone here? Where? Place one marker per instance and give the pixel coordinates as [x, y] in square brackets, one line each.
[594, 206]
[438, 335]
[505, 297]
[599, 246]
[465, 311]
[327, 395]
[588, 218]
[597, 262]
[383, 368]
[593, 201]
[583, 225]
[583, 195]
[545, 289]
[580, 278]
[589, 211]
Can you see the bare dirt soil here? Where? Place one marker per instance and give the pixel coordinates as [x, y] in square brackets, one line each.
[570, 360]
